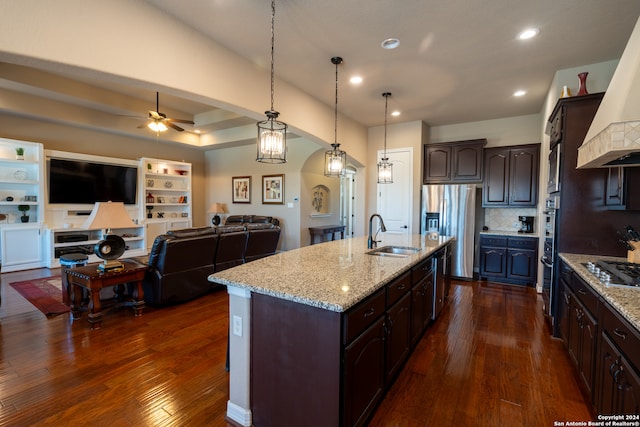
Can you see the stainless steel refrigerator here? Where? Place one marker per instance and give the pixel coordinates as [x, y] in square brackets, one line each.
[450, 210]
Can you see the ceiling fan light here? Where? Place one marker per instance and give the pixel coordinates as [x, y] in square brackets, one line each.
[157, 126]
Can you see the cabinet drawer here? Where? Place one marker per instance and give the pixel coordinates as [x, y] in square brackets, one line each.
[421, 270]
[398, 288]
[584, 293]
[520, 243]
[625, 336]
[357, 319]
[493, 241]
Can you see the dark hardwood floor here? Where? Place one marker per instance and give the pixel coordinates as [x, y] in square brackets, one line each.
[487, 361]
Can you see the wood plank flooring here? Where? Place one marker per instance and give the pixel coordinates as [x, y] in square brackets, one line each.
[487, 361]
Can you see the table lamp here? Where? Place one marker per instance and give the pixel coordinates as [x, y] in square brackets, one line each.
[217, 208]
[108, 215]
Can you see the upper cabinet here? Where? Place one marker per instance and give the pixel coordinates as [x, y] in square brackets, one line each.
[511, 176]
[453, 162]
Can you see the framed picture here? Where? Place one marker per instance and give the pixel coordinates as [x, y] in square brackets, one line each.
[273, 189]
[241, 189]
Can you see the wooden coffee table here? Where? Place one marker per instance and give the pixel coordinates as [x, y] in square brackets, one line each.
[90, 278]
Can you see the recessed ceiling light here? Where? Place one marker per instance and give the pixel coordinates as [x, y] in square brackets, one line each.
[395, 113]
[391, 43]
[528, 33]
[356, 80]
[520, 93]
[197, 130]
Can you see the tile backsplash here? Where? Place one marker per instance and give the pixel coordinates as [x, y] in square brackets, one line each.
[503, 219]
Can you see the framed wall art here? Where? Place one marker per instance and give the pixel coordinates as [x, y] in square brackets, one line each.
[273, 189]
[241, 189]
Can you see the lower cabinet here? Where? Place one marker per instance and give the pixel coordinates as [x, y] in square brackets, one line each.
[398, 339]
[364, 374]
[603, 346]
[512, 260]
[20, 247]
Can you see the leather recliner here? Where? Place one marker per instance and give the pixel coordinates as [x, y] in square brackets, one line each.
[179, 265]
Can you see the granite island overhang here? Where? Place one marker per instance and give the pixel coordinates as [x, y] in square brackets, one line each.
[331, 277]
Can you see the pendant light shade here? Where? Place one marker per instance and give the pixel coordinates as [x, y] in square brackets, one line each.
[272, 134]
[335, 160]
[385, 169]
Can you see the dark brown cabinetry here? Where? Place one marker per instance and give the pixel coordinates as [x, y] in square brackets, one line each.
[453, 162]
[345, 361]
[619, 381]
[602, 344]
[511, 176]
[421, 298]
[509, 259]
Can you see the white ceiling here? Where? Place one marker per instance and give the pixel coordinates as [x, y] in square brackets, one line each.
[458, 61]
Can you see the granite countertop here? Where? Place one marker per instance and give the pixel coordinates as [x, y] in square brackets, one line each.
[508, 233]
[334, 275]
[625, 299]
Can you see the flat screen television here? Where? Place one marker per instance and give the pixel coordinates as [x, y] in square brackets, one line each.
[84, 182]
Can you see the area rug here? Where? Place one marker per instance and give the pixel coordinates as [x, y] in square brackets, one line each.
[45, 294]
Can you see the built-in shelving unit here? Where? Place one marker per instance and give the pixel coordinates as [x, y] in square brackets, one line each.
[63, 241]
[20, 186]
[165, 195]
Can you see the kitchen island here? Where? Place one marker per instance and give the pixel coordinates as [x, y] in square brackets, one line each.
[313, 331]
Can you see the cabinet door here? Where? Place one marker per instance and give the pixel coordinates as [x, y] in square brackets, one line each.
[437, 163]
[564, 312]
[589, 329]
[523, 176]
[574, 329]
[467, 163]
[495, 187]
[364, 374]
[421, 307]
[522, 265]
[619, 382]
[154, 229]
[21, 247]
[493, 262]
[398, 335]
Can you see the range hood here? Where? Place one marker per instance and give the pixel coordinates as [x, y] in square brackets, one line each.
[614, 136]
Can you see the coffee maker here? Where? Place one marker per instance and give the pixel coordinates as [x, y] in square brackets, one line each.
[526, 224]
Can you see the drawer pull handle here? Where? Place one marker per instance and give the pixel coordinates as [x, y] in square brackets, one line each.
[582, 292]
[369, 312]
[620, 334]
[402, 287]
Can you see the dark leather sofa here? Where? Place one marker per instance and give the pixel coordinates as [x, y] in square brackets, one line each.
[181, 260]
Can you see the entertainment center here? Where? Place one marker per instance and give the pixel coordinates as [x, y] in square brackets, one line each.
[59, 190]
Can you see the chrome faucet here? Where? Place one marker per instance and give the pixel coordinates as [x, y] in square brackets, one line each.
[371, 243]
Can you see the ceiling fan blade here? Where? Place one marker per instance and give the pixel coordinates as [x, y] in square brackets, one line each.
[189, 122]
[143, 125]
[172, 126]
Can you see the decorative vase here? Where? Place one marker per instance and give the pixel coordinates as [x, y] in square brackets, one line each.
[566, 92]
[24, 218]
[582, 90]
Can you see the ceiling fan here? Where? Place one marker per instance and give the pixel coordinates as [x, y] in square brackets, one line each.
[159, 122]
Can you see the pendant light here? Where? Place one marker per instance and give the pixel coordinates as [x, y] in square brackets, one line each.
[272, 134]
[335, 160]
[385, 169]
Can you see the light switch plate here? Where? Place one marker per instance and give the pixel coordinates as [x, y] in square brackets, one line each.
[237, 325]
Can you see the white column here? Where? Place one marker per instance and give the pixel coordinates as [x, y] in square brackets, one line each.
[238, 406]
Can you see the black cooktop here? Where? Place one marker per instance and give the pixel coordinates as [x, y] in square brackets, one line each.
[622, 273]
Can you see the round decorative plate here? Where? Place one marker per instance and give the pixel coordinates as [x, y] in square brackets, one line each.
[150, 183]
[20, 175]
[168, 184]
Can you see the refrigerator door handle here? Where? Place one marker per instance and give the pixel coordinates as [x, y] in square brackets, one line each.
[443, 214]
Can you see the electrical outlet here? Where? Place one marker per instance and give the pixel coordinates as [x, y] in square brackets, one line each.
[237, 326]
[516, 225]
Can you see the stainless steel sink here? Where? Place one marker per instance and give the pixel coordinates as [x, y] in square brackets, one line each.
[394, 251]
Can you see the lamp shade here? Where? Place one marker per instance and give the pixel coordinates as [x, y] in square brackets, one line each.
[217, 208]
[108, 215]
